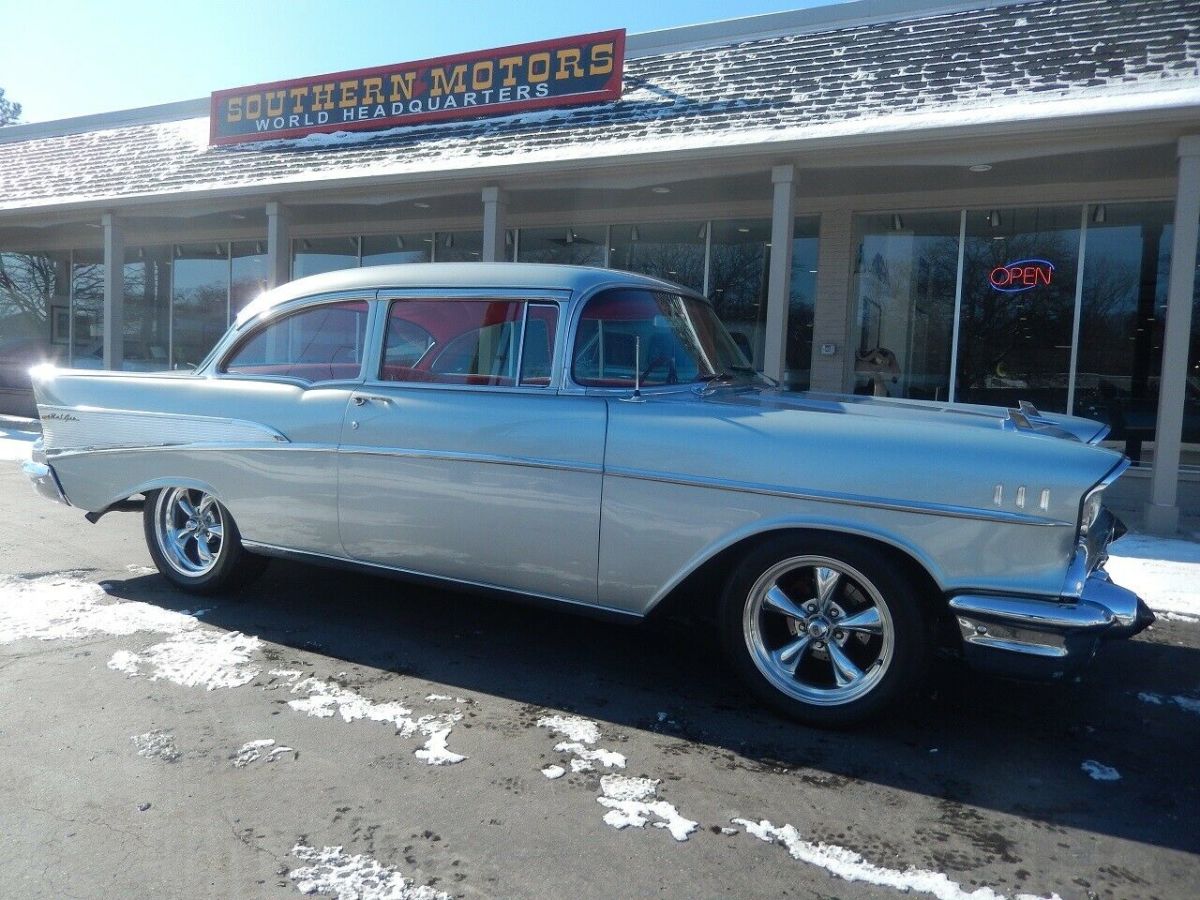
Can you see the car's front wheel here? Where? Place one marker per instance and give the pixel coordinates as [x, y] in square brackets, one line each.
[194, 541]
[823, 627]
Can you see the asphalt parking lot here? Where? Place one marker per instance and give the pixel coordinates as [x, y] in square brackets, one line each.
[452, 745]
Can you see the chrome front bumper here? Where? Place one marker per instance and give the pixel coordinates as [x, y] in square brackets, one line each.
[1030, 638]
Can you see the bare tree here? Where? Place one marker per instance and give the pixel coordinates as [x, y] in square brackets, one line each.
[10, 112]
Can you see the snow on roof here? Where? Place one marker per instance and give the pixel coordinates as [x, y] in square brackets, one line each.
[1048, 57]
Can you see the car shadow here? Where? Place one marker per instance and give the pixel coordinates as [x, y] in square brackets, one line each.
[966, 740]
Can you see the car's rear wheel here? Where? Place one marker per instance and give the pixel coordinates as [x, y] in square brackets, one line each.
[194, 541]
[824, 627]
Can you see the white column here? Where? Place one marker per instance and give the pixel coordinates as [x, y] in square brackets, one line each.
[114, 292]
[1162, 512]
[279, 246]
[779, 278]
[494, 208]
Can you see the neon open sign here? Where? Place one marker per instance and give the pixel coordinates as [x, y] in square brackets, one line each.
[1022, 275]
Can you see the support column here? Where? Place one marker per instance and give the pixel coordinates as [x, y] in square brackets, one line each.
[831, 309]
[279, 245]
[114, 292]
[1162, 512]
[495, 203]
[779, 278]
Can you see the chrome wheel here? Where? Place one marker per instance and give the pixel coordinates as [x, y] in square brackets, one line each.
[818, 630]
[189, 527]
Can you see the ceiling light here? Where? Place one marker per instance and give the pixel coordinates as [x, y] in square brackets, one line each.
[258, 248]
[178, 251]
[897, 222]
[994, 218]
[1099, 214]
[703, 232]
[570, 235]
[239, 216]
[508, 237]
[661, 190]
[743, 229]
[633, 234]
[979, 167]
[399, 242]
[449, 240]
[420, 204]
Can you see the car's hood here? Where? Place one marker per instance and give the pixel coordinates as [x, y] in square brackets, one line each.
[935, 413]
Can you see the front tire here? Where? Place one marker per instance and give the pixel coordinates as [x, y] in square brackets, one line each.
[823, 627]
[194, 541]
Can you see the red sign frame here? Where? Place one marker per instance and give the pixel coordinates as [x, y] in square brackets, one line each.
[596, 90]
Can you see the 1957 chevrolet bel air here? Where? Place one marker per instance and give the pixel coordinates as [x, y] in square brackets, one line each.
[595, 438]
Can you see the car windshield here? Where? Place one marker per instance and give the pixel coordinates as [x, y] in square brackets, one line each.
[631, 336]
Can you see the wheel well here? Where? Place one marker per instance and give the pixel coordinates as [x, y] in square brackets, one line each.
[695, 597]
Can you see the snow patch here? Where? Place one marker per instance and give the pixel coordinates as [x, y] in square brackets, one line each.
[62, 607]
[1188, 704]
[850, 866]
[1097, 771]
[1165, 572]
[157, 745]
[435, 753]
[194, 658]
[630, 804]
[358, 877]
[553, 772]
[16, 444]
[253, 750]
[574, 728]
[610, 759]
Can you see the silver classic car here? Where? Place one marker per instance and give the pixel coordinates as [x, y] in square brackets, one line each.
[595, 438]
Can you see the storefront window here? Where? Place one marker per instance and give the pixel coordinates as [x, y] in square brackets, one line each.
[737, 281]
[147, 309]
[199, 301]
[247, 274]
[458, 246]
[34, 318]
[312, 256]
[87, 309]
[904, 278]
[674, 251]
[568, 246]
[391, 249]
[1018, 306]
[801, 302]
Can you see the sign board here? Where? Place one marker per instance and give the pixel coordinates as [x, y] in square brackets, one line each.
[1021, 275]
[561, 72]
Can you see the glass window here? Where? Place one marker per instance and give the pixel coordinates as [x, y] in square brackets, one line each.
[312, 256]
[905, 270]
[673, 251]
[453, 341]
[802, 302]
[570, 246]
[737, 281]
[247, 274]
[537, 354]
[87, 309]
[1018, 306]
[34, 315]
[199, 301]
[632, 336]
[458, 246]
[147, 309]
[390, 249]
[318, 344]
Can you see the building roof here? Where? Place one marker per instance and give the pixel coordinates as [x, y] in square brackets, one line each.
[1006, 63]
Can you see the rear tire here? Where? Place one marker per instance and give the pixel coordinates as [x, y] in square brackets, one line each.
[824, 628]
[195, 543]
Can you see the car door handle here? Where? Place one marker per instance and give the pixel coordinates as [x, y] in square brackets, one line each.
[361, 399]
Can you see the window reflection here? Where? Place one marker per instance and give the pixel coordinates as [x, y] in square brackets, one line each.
[34, 321]
[199, 301]
[737, 281]
[904, 277]
[247, 274]
[312, 256]
[147, 309]
[801, 303]
[87, 309]
[673, 251]
[458, 246]
[393, 249]
[567, 245]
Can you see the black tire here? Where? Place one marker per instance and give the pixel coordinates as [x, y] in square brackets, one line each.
[885, 639]
[230, 565]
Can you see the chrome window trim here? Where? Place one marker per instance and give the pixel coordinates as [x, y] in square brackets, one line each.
[844, 499]
[540, 296]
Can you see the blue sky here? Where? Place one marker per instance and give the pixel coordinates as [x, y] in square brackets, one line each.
[73, 57]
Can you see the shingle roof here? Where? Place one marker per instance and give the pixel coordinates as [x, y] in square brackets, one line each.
[845, 80]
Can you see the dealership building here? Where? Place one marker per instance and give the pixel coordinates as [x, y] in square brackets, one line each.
[976, 202]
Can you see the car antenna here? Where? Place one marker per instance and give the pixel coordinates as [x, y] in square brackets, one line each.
[637, 366]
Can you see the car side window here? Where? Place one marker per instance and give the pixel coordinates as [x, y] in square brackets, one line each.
[626, 337]
[475, 342]
[320, 343]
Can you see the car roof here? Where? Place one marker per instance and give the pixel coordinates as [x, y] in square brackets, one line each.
[455, 276]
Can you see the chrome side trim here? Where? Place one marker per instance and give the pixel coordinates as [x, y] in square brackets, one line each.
[83, 427]
[497, 459]
[441, 580]
[846, 499]
[202, 445]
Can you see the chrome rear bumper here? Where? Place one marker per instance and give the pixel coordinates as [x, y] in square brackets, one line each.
[42, 476]
[1033, 638]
